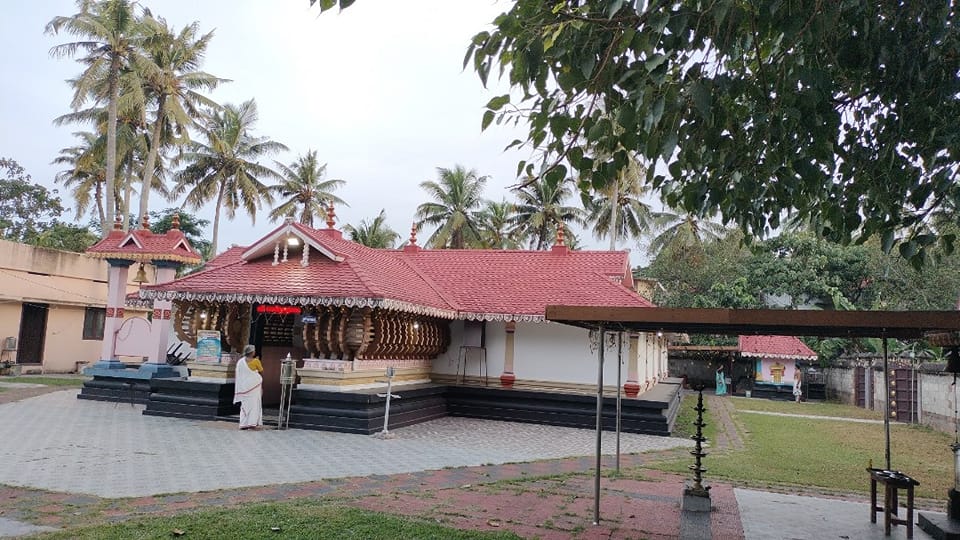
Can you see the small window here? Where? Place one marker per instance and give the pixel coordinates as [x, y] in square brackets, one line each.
[93, 321]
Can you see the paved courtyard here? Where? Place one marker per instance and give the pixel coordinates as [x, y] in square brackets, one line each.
[112, 450]
[107, 462]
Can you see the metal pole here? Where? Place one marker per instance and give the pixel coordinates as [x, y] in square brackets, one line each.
[886, 404]
[386, 412]
[596, 478]
[619, 370]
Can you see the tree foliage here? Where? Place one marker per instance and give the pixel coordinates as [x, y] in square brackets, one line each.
[375, 234]
[109, 34]
[843, 111]
[66, 237]
[303, 190]
[26, 208]
[457, 195]
[542, 207]
[191, 226]
[225, 167]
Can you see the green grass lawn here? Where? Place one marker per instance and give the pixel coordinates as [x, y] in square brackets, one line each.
[292, 520]
[47, 380]
[816, 408]
[683, 426]
[830, 454]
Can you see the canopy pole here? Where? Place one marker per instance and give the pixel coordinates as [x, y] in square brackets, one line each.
[619, 397]
[886, 404]
[596, 478]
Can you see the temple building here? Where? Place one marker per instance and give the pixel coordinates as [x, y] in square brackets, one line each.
[463, 331]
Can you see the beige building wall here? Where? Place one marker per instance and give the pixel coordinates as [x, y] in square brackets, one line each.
[69, 283]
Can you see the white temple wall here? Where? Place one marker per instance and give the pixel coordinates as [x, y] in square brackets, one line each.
[551, 352]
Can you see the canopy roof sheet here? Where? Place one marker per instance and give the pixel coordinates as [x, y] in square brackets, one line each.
[774, 322]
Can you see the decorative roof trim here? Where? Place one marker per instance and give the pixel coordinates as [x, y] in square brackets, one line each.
[266, 244]
[501, 317]
[144, 257]
[781, 356]
[136, 302]
[126, 241]
[383, 303]
[394, 305]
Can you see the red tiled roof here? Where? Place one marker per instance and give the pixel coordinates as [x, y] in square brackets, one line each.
[229, 256]
[525, 282]
[775, 347]
[144, 246]
[451, 283]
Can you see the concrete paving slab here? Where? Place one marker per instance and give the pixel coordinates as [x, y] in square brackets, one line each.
[767, 516]
[112, 450]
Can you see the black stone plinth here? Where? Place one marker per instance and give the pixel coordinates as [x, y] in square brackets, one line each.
[191, 399]
[123, 386]
[652, 413]
[363, 411]
[939, 526]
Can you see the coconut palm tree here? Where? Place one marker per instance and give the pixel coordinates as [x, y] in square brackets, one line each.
[375, 234]
[131, 147]
[495, 223]
[304, 190]
[172, 80]
[109, 33]
[458, 194]
[683, 233]
[629, 216]
[84, 175]
[541, 209]
[224, 169]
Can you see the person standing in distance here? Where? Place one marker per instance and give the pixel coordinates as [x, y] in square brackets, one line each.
[248, 390]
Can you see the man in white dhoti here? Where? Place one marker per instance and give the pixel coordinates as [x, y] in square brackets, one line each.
[249, 390]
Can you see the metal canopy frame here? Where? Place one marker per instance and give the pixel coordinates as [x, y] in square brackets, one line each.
[771, 322]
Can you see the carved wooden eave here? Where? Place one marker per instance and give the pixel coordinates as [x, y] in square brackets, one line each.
[243, 298]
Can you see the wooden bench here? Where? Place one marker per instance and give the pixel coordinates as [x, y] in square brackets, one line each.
[892, 481]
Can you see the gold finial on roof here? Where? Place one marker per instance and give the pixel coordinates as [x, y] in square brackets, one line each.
[331, 216]
[117, 224]
[413, 234]
[175, 222]
[145, 222]
[559, 235]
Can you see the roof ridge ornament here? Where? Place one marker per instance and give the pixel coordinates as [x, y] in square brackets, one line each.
[175, 221]
[117, 224]
[145, 222]
[412, 244]
[559, 246]
[331, 216]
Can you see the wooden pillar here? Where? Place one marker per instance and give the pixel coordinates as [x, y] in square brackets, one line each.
[507, 378]
[632, 386]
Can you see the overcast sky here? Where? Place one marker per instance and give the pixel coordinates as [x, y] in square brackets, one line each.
[377, 90]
